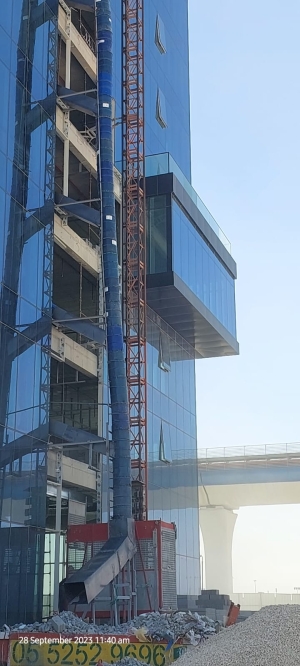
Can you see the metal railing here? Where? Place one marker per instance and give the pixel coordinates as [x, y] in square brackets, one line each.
[189, 456]
[260, 450]
[87, 37]
[90, 135]
[235, 456]
[164, 163]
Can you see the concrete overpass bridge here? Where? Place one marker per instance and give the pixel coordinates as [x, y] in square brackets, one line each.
[230, 478]
[226, 479]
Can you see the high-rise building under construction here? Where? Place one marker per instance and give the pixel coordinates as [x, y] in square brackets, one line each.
[60, 413]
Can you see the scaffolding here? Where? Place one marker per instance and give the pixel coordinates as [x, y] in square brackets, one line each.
[134, 239]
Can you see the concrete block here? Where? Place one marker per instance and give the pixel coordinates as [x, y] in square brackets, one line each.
[187, 602]
[221, 616]
[58, 624]
[211, 613]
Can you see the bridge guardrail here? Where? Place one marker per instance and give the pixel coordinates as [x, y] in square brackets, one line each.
[235, 452]
[235, 456]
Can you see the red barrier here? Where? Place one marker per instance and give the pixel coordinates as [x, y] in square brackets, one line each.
[4, 647]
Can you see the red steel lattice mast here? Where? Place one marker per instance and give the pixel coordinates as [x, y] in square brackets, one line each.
[134, 244]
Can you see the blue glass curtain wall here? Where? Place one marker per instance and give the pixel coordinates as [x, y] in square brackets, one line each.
[172, 438]
[158, 234]
[167, 71]
[197, 265]
[174, 244]
[28, 43]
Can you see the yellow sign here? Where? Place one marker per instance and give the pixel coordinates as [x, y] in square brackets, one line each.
[64, 651]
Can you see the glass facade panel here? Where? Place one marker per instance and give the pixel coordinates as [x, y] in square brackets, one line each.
[156, 165]
[171, 433]
[197, 265]
[168, 71]
[158, 213]
[27, 138]
[32, 277]
[161, 109]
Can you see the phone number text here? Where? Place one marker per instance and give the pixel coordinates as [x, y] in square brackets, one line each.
[76, 654]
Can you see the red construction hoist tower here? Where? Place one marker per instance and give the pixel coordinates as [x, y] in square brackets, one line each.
[152, 579]
[134, 244]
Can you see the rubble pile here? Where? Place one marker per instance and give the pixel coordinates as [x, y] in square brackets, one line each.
[269, 637]
[172, 626]
[192, 627]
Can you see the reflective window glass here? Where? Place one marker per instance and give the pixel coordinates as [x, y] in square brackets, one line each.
[161, 109]
[212, 269]
[198, 266]
[157, 246]
[29, 51]
[6, 18]
[184, 251]
[192, 280]
[167, 71]
[5, 47]
[171, 442]
[205, 273]
[18, 21]
[4, 110]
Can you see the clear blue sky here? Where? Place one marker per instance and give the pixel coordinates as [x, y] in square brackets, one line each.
[245, 121]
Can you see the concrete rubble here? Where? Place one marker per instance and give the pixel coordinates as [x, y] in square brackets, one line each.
[270, 637]
[169, 627]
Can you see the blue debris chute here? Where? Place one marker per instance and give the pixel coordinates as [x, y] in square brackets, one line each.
[122, 503]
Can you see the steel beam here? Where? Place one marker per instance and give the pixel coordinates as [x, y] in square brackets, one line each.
[27, 337]
[78, 101]
[79, 325]
[80, 210]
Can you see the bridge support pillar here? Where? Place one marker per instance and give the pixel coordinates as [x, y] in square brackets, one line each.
[217, 526]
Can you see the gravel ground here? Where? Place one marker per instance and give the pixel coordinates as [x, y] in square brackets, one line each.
[270, 637]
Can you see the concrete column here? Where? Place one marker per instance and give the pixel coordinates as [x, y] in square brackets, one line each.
[217, 526]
